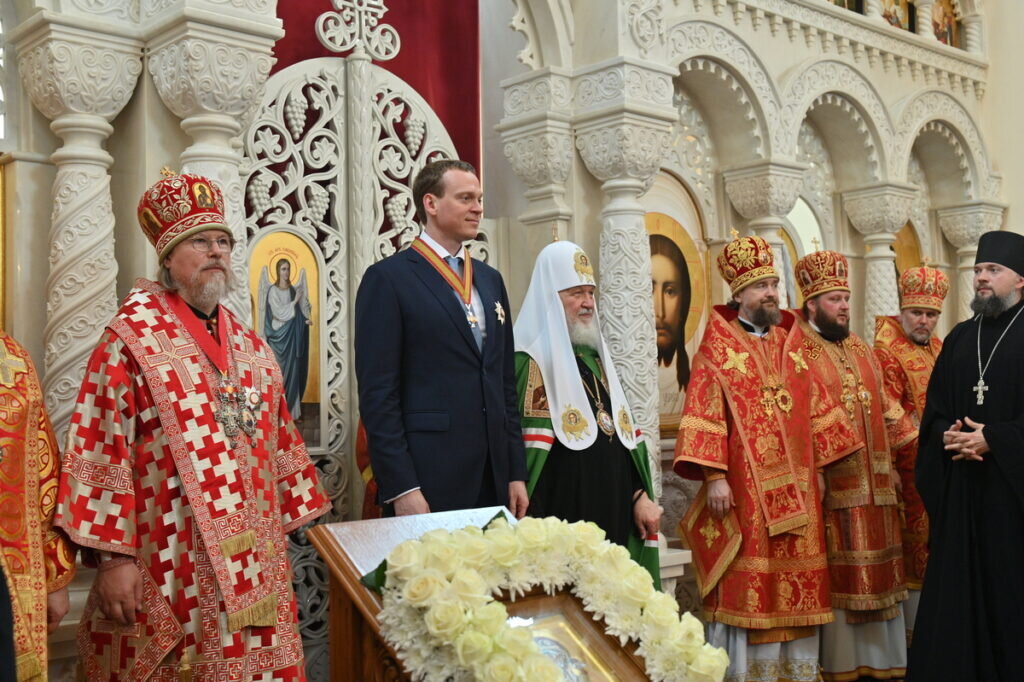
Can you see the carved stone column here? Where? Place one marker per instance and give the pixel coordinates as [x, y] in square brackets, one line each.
[539, 142]
[963, 226]
[924, 18]
[974, 39]
[878, 212]
[764, 193]
[873, 8]
[79, 79]
[211, 77]
[623, 123]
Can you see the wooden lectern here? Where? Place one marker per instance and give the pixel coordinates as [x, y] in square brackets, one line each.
[358, 651]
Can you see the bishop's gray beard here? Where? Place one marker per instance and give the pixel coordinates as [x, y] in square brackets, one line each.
[994, 306]
[584, 333]
[206, 296]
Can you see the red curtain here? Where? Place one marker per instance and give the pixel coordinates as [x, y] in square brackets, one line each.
[440, 56]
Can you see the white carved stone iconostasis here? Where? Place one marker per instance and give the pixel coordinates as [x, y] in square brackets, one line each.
[807, 124]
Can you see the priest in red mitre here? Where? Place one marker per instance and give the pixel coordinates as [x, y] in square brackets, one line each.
[759, 429]
[184, 473]
[907, 347]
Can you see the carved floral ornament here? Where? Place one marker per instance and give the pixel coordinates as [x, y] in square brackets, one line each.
[196, 74]
[632, 150]
[880, 208]
[765, 189]
[964, 225]
[542, 157]
[68, 75]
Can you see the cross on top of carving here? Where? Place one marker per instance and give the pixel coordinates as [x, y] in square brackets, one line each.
[355, 27]
[816, 243]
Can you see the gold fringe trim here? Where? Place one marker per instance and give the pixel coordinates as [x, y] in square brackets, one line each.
[261, 614]
[767, 622]
[880, 616]
[869, 602]
[788, 525]
[238, 543]
[28, 667]
[777, 635]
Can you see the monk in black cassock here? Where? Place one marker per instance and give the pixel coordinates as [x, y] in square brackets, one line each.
[970, 473]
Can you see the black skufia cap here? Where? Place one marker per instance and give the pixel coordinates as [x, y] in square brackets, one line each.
[1004, 248]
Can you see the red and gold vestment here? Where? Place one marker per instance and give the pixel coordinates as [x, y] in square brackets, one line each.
[861, 512]
[755, 413]
[906, 369]
[37, 558]
[182, 454]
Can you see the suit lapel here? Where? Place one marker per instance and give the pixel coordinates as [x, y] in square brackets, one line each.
[444, 294]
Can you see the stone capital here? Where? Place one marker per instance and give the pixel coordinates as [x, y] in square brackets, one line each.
[535, 96]
[963, 225]
[877, 208]
[623, 147]
[624, 85]
[202, 69]
[72, 66]
[765, 189]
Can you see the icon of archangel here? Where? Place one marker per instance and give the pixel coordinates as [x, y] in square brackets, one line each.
[285, 316]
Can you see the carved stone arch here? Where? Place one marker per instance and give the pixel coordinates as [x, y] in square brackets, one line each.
[692, 158]
[849, 114]
[819, 186]
[717, 66]
[549, 30]
[948, 141]
[927, 231]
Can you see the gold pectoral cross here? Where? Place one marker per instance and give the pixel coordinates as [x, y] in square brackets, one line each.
[980, 389]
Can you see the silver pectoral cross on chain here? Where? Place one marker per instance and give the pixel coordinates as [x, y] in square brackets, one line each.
[980, 389]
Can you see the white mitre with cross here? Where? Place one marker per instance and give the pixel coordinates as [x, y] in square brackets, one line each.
[542, 333]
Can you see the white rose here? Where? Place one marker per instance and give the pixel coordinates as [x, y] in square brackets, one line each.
[475, 552]
[505, 549]
[501, 668]
[588, 537]
[445, 619]
[532, 533]
[469, 587]
[516, 641]
[636, 585]
[490, 618]
[441, 555]
[692, 638]
[660, 616]
[538, 668]
[710, 664]
[473, 647]
[422, 588]
[404, 559]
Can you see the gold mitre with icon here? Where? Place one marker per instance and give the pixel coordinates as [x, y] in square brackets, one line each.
[821, 272]
[923, 287]
[179, 206]
[746, 260]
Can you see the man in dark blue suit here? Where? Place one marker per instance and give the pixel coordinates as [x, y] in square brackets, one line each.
[434, 362]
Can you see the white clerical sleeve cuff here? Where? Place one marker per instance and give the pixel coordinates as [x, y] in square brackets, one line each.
[402, 495]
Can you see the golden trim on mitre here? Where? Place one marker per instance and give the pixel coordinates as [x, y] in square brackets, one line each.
[822, 271]
[923, 287]
[746, 260]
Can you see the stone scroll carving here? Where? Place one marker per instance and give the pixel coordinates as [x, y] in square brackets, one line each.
[80, 80]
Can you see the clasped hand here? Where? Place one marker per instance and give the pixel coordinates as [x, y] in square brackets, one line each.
[968, 445]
